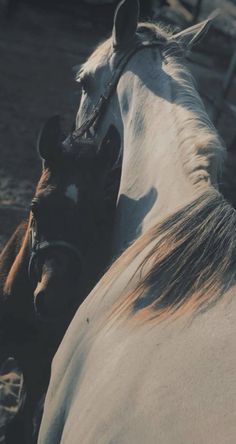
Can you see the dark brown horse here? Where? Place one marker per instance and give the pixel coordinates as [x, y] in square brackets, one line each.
[55, 257]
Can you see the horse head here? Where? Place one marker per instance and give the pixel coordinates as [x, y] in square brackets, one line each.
[130, 82]
[106, 98]
[71, 215]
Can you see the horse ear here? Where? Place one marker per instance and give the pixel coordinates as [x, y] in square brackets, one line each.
[192, 35]
[125, 22]
[109, 150]
[49, 140]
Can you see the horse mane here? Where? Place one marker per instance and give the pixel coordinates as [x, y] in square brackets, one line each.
[191, 264]
[11, 249]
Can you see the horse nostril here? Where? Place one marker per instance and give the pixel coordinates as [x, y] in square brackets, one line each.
[39, 303]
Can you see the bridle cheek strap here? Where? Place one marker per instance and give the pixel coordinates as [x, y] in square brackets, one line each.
[39, 247]
[99, 108]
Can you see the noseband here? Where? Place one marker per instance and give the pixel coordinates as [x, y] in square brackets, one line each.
[110, 88]
[37, 247]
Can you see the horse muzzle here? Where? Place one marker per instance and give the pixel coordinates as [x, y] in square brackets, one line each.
[52, 305]
[57, 289]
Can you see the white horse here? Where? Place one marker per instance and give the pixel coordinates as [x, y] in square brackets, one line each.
[150, 356]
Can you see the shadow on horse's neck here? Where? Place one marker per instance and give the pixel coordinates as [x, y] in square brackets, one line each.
[130, 215]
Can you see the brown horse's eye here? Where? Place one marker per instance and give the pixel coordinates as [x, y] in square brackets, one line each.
[84, 82]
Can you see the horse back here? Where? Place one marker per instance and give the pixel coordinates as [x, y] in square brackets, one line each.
[172, 381]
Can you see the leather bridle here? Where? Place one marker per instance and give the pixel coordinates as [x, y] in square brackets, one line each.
[110, 88]
[77, 137]
[37, 247]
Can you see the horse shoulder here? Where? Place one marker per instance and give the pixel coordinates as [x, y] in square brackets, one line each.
[173, 381]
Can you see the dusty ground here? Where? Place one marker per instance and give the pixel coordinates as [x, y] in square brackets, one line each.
[38, 49]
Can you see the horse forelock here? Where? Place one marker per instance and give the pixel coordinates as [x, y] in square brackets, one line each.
[44, 186]
[99, 56]
[105, 49]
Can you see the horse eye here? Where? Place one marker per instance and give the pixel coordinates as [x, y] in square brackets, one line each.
[84, 83]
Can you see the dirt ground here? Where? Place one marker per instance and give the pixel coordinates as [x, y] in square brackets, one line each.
[38, 49]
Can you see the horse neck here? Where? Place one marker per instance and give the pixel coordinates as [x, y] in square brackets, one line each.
[171, 151]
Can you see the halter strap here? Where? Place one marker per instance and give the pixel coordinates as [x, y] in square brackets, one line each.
[45, 245]
[37, 247]
[109, 90]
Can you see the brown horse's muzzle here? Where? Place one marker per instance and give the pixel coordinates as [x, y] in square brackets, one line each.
[55, 293]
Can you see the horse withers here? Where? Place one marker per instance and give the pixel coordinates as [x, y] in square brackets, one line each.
[55, 257]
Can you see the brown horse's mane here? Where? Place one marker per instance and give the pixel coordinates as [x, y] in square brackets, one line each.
[10, 252]
[191, 264]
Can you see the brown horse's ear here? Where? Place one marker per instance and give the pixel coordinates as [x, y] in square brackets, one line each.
[110, 148]
[125, 22]
[49, 140]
